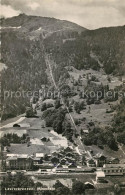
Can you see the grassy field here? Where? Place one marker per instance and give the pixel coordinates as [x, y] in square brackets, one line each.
[32, 126]
[32, 149]
[97, 112]
[11, 120]
[100, 75]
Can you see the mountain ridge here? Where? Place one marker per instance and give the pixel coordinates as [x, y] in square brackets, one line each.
[24, 20]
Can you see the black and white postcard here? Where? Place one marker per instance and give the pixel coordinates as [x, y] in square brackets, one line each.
[62, 97]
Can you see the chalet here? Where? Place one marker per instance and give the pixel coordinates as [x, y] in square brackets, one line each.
[69, 154]
[55, 154]
[55, 160]
[68, 149]
[37, 160]
[100, 160]
[63, 161]
[47, 157]
[113, 161]
[114, 169]
[70, 159]
[60, 155]
[21, 162]
[91, 163]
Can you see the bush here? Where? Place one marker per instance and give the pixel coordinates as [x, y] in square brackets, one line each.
[29, 112]
[78, 187]
[44, 107]
[121, 138]
[57, 104]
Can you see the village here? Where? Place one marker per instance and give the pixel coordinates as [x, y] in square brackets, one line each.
[65, 161]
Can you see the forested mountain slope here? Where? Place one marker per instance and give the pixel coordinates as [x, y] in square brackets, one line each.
[101, 48]
[27, 39]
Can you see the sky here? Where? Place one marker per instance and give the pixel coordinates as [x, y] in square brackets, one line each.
[91, 14]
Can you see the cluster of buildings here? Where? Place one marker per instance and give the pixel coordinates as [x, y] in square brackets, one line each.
[100, 160]
[40, 160]
[65, 160]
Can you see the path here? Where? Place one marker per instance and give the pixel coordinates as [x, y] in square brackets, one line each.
[71, 118]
